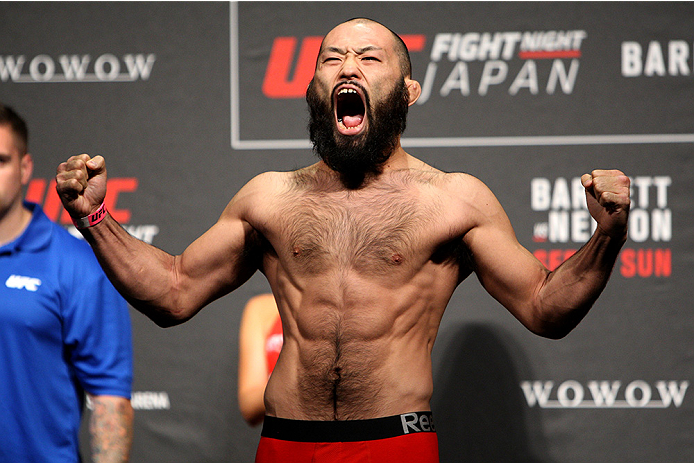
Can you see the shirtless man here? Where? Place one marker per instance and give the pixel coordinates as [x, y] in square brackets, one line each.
[363, 251]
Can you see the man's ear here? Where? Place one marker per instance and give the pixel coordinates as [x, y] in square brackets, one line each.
[413, 90]
[26, 168]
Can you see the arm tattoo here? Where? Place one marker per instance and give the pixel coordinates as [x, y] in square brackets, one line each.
[111, 429]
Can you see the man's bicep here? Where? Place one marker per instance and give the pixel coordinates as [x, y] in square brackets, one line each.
[508, 271]
[220, 260]
[230, 252]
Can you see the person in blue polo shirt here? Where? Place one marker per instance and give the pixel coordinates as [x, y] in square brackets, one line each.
[64, 330]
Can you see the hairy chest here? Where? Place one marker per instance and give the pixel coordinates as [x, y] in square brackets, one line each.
[369, 233]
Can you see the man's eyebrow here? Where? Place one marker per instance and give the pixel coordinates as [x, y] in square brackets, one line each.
[359, 51]
[340, 51]
[368, 48]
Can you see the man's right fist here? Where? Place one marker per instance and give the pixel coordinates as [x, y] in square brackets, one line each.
[81, 184]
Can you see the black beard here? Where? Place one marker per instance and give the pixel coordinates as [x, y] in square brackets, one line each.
[355, 157]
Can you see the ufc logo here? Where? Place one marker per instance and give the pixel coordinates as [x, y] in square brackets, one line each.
[20, 282]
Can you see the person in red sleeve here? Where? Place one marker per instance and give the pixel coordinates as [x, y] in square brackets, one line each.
[260, 343]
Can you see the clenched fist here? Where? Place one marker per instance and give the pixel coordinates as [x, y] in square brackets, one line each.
[607, 194]
[81, 184]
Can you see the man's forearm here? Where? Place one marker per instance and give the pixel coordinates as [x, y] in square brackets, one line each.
[111, 429]
[571, 290]
[139, 271]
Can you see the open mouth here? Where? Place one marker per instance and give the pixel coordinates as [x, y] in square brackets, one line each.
[350, 110]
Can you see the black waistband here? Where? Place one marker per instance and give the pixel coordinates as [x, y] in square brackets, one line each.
[347, 431]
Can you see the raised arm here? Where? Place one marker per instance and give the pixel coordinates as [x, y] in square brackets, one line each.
[168, 289]
[548, 303]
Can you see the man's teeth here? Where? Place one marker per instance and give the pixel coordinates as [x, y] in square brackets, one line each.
[340, 120]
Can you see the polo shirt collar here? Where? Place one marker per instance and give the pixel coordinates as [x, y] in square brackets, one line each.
[36, 235]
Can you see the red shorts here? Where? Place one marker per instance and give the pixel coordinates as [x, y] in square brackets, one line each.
[406, 437]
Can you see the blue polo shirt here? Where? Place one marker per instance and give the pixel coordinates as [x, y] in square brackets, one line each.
[64, 330]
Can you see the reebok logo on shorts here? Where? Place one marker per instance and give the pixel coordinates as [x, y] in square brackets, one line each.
[417, 422]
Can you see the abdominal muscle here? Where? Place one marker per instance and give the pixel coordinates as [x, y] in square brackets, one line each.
[359, 352]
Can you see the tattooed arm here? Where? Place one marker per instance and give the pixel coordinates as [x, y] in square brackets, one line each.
[111, 429]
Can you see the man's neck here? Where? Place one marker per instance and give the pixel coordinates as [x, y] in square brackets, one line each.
[398, 160]
[13, 222]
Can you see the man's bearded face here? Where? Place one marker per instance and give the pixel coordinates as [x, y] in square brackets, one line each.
[355, 156]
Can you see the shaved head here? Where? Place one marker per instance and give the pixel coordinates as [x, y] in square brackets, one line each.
[398, 44]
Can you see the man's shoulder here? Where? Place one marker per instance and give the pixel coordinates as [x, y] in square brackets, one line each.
[281, 182]
[69, 248]
[273, 180]
[460, 192]
[45, 230]
[454, 182]
[68, 257]
[260, 192]
[64, 238]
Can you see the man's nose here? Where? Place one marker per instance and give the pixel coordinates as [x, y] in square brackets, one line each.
[350, 68]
